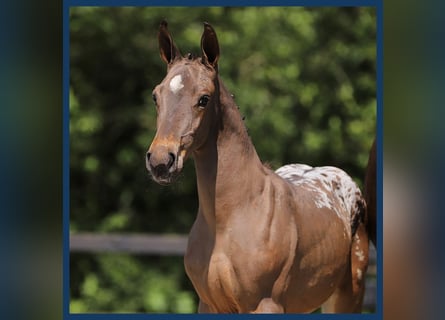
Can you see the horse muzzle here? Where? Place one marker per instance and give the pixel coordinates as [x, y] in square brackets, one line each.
[163, 163]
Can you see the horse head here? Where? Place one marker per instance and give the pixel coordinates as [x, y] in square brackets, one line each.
[186, 101]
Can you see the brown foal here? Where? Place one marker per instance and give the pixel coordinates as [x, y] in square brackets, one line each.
[263, 242]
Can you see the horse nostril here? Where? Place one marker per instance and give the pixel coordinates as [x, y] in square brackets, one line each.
[147, 161]
[171, 160]
[148, 156]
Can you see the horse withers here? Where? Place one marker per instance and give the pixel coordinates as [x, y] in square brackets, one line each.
[288, 241]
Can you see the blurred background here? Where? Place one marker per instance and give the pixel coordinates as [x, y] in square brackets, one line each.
[305, 78]
[31, 154]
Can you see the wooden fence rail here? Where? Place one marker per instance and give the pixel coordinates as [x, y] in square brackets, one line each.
[168, 245]
[155, 244]
[129, 243]
[148, 244]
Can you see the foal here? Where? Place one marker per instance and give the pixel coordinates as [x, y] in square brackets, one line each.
[263, 241]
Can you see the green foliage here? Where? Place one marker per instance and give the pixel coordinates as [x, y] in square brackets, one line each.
[122, 283]
[304, 78]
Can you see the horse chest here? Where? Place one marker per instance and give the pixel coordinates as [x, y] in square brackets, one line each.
[230, 284]
[214, 278]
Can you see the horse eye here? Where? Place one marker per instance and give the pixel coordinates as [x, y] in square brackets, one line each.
[203, 100]
[154, 98]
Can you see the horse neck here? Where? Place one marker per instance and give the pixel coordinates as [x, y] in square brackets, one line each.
[227, 165]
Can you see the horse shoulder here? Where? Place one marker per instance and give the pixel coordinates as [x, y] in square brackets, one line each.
[197, 256]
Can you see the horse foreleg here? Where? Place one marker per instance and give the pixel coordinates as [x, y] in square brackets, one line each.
[267, 305]
[348, 297]
[203, 307]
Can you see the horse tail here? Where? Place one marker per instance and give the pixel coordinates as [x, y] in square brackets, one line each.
[359, 214]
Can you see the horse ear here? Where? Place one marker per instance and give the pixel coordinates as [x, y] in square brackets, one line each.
[167, 48]
[209, 46]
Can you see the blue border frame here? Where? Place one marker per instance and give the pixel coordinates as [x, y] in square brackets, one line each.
[378, 4]
[223, 3]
